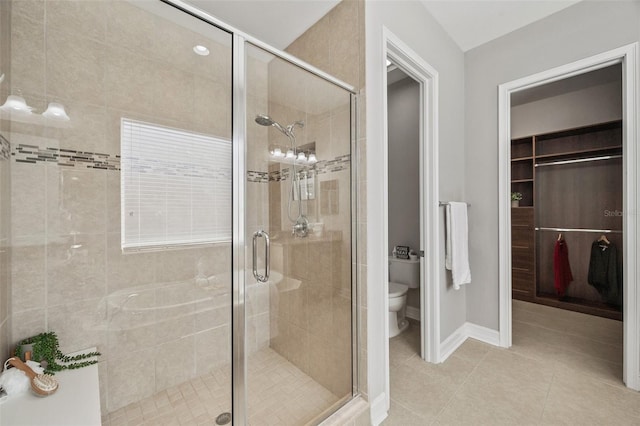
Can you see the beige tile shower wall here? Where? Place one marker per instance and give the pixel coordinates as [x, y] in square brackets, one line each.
[309, 315]
[144, 311]
[311, 318]
[5, 188]
[335, 44]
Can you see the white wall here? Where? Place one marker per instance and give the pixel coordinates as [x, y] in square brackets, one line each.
[410, 22]
[592, 105]
[574, 33]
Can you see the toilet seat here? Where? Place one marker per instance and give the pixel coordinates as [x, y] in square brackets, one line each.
[397, 289]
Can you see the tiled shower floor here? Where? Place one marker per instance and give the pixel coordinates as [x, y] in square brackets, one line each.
[279, 394]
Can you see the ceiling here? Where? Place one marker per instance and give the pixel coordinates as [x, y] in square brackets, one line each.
[276, 22]
[470, 23]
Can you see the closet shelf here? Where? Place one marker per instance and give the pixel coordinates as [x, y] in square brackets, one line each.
[582, 153]
[533, 244]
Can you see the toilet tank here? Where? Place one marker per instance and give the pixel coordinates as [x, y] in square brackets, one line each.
[404, 271]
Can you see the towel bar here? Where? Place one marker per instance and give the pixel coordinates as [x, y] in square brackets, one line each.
[444, 203]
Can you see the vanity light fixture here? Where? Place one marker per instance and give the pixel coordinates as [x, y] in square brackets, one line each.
[293, 157]
[201, 50]
[15, 103]
[56, 111]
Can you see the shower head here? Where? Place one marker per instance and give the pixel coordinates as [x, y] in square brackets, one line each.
[265, 120]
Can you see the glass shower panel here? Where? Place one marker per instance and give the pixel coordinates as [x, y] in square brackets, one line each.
[121, 199]
[298, 221]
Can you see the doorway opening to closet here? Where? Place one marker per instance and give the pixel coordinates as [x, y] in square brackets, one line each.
[567, 236]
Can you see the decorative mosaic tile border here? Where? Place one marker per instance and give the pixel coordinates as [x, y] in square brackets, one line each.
[258, 177]
[23, 153]
[5, 148]
[340, 163]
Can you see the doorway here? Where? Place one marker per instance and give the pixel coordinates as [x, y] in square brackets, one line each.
[567, 238]
[404, 165]
[625, 58]
[398, 53]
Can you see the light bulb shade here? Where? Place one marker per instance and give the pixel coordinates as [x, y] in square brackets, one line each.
[15, 103]
[290, 154]
[312, 158]
[301, 156]
[201, 50]
[55, 111]
[277, 152]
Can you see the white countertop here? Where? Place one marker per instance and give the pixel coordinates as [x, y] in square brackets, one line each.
[75, 403]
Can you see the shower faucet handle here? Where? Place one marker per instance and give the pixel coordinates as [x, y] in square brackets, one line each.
[301, 227]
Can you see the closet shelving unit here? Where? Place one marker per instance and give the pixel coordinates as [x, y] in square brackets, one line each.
[532, 237]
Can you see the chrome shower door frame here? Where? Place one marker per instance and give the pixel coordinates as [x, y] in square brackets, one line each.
[239, 184]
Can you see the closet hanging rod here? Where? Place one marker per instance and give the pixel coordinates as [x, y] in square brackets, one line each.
[579, 160]
[598, 231]
[444, 203]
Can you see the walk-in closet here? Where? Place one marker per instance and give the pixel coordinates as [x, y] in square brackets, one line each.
[566, 216]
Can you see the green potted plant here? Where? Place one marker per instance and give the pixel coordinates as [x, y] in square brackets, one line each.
[45, 349]
[515, 199]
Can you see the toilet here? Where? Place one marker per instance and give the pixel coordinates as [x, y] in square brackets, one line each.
[403, 275]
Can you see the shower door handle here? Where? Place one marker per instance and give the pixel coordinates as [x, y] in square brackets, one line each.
[267, 248]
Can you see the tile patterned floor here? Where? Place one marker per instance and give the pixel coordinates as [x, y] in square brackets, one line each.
[279, 394]
[564, 368]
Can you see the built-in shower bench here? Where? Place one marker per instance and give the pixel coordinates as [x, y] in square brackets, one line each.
[75, 403]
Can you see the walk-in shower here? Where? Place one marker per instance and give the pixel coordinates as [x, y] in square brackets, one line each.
[128, 227]
[300, 223]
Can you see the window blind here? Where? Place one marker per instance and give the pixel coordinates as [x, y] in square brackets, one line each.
[175, 187]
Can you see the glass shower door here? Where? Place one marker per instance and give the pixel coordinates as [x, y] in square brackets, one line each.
[298, 300]
[120, 199]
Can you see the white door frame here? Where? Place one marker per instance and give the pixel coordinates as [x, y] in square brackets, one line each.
[427, 77]
[628, 57]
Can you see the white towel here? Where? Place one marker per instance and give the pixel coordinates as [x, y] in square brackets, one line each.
[457, 244]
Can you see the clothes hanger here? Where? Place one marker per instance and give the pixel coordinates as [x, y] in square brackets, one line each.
[604, 239]
[560, 237]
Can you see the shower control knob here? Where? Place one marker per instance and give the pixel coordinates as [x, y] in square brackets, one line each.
[301, 228]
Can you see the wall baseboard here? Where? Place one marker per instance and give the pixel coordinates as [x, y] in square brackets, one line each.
[357, 408]
[452, 343]
[465, 331]
[379, 410]
[413, 313]
[483, 334]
